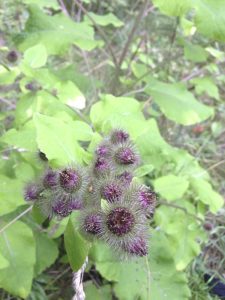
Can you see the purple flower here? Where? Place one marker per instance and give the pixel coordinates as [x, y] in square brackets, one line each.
[93, 223]
[70, 179]
[119, 136]
[137, 247]
[147, 200]
[103, 150]
[120, 221]
[62, 208]
[32, 192]
[126, 156]
[111, 191]
[126, 178]
[102, 166]
[50, 179]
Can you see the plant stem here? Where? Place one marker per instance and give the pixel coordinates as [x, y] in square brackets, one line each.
[78, 282]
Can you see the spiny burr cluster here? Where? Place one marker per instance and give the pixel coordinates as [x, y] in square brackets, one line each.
[113, 206]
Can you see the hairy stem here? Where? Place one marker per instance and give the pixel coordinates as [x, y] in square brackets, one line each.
[78, 282]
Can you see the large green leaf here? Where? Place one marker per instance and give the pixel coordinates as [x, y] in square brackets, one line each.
[171, 187]
[94, 293]
[178, 104]
[46, 252]
[58, 140]
[18, 247]
[118, 112]
[22, 138]
[145, 279]
[210, 18]
[76, 247]
[206, 194]
[184, 233]
[209, 15]
[59, 29]
[11, 194]
[3, 262]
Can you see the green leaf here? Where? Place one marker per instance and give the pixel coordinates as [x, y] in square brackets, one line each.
[70, 94]
[171, 187]
[18, 247]
[105, 20]
[3, 262]
[57, 140]
[36, 56]
[22, 138]
[206, 84]
[118, 112]
[94, 293]
[178, 104]
[8, 76]
[59, 29]
[207, 195]
[76, 247]
[46, 252]
[172, 7]
[11, 194]
[195, 53]
[143, 170]
[210, 18]
[183, 232]
[144, 279]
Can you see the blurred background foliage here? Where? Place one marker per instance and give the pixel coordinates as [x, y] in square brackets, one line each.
[70, 70]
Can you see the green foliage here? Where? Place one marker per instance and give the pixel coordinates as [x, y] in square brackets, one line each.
[152, 278]
[60, 30]
[18, 247]
[178, 104]
[46, 252]
[64, 92]
[76, 247]
[171, 187]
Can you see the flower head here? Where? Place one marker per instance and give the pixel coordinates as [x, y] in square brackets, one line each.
[124, 157]
[137, 247]
[102, 166]
[103, 150]
[126, 178]
[123, 222]
[120, 221]
[32, 192]
[108, 188]
[90, 222]
[118, 136]
[73, 181]
[50, 179]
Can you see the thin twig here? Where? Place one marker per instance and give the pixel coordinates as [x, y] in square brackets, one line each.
[131, 35]
[16, 219]
[101, 32]
[63, 7]
[127, 45]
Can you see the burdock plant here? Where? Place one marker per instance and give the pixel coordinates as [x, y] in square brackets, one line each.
[113, 207]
